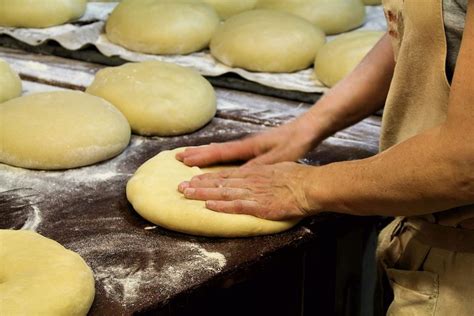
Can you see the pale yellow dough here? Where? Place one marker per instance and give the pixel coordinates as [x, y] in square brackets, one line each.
[162, 26]
[38, 276]
[60, 130]
[10, 83]
[267, 41]
[153, 192]
[40, 13]
[340, 56]
[157, 98]
[332, 16]
[228, 8]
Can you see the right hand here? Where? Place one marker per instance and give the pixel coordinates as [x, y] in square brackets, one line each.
[288, 142]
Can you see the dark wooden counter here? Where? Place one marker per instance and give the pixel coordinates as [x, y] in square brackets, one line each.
[140, 267]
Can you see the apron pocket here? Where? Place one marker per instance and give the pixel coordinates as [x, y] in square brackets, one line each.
[415, 292]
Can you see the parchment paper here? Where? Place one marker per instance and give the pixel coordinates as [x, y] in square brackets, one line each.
[89, 31]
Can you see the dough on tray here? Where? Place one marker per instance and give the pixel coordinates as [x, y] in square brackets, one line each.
[332, 16]
[153, 192]
[60, 130]
[10, 83]
[228, 8]
[267, 41]
[162, 26]
[40, 13]
[40, 277]
[157, 98]
[340, 56]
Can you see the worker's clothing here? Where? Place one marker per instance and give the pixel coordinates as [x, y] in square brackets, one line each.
[429, 260]
[454, 14]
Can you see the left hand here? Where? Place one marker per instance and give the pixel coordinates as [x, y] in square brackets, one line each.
[274, 192]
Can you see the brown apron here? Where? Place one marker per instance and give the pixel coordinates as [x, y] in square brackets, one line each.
[429, 260]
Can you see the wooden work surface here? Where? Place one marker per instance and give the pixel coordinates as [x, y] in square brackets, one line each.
[140, 267]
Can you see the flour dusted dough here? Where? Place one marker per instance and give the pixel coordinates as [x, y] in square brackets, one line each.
[332, 16]
[40, 13]
[268, 41]
[162, 26]
[10, 83]
[60, 130]
[339, 57]
[157, 98]
[228, 8]
[154, 195]
[38, 276]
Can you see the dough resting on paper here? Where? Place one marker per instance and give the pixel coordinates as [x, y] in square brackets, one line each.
[332, 16]
[162, 26]
[154, 195]
[228, 8]
[267, 41]
[157, 98]
[10, 83]
[40, 13]
[38, 276]
[60, 130]
[340, 56]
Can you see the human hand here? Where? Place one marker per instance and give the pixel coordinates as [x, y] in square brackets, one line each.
[275, 192]
[284, 143]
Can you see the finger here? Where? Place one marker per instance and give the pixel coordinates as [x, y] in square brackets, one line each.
[236, 207]
[274, 156]
[218, 153]
[225, 174]
[221, 194]
[215, 183]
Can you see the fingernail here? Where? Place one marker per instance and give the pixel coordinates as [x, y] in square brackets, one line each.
[189, 191]
[183, 185]
[210, 204]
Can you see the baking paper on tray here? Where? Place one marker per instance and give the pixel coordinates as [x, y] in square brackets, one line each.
[89, 31]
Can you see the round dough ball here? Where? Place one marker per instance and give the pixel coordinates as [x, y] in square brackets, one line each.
[38, 276]
[162, 26]
[268, 41]
[157, 98]
[39, 14]
[332, 16]
[340, 56]
[10, 83]
[60, 130]
[228, 8]
[372, 2]
[153, 192]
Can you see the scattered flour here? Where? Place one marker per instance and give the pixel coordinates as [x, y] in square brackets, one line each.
[33, 220]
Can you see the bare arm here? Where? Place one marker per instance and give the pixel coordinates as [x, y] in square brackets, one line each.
[360, 94]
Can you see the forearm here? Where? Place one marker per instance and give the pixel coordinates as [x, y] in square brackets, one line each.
[357, 96]
[427, 173]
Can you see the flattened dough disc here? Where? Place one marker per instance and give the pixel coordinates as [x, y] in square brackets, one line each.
[162, 26]
[10, 83]
[38, 276]
[340, 56]
[153, 192]
[267, 41]
[332, 16]
[40, 13]
[60, 130]
[157, 98]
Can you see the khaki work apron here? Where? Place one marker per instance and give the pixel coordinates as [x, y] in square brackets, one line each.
[428, 260]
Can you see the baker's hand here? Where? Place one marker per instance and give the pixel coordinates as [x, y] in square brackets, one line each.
[284, 143]
[276, 192]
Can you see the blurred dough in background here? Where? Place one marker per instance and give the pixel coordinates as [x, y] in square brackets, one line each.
[332, 16]
[10, 83]
[162, 26]
[228, 8]
[336, 59]
[157, 98]
[267, 41]
[40, 14]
